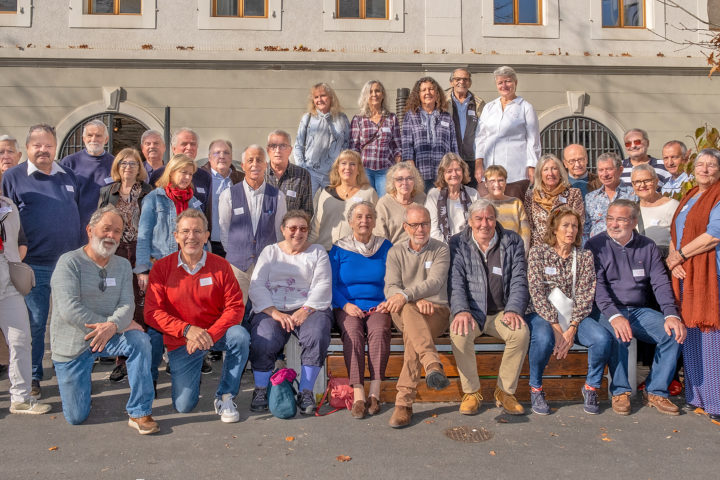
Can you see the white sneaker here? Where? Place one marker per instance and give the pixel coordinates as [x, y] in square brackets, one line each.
[226, 408]
[29, 407]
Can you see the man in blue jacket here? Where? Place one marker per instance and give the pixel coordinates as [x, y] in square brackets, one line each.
[488, 293]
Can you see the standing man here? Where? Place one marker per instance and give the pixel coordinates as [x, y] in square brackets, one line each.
[10, 153]
[92, 317]
[465, 109]
[637, 143]
[575, 160]
[609, 168]
[91, 167]
[195, 301]
[47, 197]
[416, 291]
[153, 149]
[290, 179]
[675, 155]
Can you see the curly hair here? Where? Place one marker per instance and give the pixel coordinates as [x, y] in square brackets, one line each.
[390, 187]
[445, 163]
[413, 102]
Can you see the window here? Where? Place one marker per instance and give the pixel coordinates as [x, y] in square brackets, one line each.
[517, 12]
[15, 13]
[593, 135]
[623, 13]
[240, 8]
[114, 7]
[362, 9]
[8, 6]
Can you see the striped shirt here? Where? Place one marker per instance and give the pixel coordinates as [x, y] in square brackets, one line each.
[656, 163]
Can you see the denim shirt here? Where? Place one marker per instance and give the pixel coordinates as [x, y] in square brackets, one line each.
[320, 139]
[156, 227]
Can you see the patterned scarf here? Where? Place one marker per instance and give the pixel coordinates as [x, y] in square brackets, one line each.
[443, 221]
[180, 197]
[351, 244]
[546, 198]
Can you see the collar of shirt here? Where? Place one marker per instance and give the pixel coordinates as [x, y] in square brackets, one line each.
[254, 192]
[493, 242]
[582, 177]
[197, 268]
[415, 252]
[622, 191]
[632, 235]
[271, 172]
[56, 168]
[215, 173]
[468, 97]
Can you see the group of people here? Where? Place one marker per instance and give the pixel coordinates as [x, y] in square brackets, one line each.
[374, 225]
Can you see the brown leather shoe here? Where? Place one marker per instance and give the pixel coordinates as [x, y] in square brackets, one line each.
[144, 425]
[435, 377]
[358, 410]
[621, 403]
[508, 402]
[662, 404]
[401, 417]
[471, 403]
[374, 405]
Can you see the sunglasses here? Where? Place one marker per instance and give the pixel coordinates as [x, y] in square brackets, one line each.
[103, 276]
[637, 142]
[294, 228]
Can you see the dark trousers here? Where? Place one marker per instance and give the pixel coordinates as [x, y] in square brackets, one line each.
[517, 189]
[373, 329]
[217, 248]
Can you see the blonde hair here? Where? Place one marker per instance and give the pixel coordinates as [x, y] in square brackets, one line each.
[549, 157]
[495, 171]
[177, 161]
[446, 161]
[335, 107]
[362, 179]
[390, 185]
[364, 100]
[122, 155]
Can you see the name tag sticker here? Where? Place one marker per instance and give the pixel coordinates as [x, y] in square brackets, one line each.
[471, 113]
[5, 210]
[458, 204]
[444, 124]
[197, 204]
[200, 190]
[684, 208]
[291, 193]
[562, 199]
[70, 188]
[428, 264]
[386, 129]
[550, 271]
[238, 211]
[204, 282]
[110, 282]
[108, 180]
[655, 222]
[497, 271]
[356, 199]
[638, 272]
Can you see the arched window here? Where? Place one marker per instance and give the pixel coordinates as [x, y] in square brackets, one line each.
[124, 131]
[593, 135]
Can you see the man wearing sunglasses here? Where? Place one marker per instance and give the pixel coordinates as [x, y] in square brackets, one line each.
[636, 145]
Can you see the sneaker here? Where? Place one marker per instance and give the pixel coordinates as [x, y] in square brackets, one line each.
[306, 402]
[35, 391]
[259, 402]
[590, 400]
[206, 366]
[538, 403]
[29, 407]
[118, 373]
[215, 356]
[226, 408]
[144, 425]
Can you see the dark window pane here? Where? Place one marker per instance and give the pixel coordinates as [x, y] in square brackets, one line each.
[130, 6]
[348, 9]
[254, 8]
[375, 9]
[633, 14]
[528, 11]
[713, 10]
[103, 6]
[610, 13]
[504, 11]
[226, 8]
[8, 5]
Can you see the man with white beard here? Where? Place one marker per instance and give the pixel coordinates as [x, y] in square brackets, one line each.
[91, 166]
[92, 315]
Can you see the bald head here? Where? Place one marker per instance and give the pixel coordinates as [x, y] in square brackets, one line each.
[575, 160]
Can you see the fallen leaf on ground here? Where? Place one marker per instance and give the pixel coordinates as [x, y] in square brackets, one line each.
[343, 458]
[492, 452]
[669, 436]
[53, 448]
[429, 421]
[553, 434]
[675, 431]
[502, 420]
[603, 434]
[606, 439]
[53, 417]
[289, 439]
[434, 415]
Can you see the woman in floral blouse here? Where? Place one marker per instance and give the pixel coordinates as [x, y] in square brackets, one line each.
[559, 262]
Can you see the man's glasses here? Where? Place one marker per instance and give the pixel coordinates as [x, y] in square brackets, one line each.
[294, 228]
[415, 226]
[103, 277]
[278, 146]
[637, 142]
[187, 232]
[461, 79]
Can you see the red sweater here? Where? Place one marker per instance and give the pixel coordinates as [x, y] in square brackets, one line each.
[210, 299]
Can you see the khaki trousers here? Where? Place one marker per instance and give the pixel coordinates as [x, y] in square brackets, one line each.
[516, 347]
[243, 279]
[419, 332]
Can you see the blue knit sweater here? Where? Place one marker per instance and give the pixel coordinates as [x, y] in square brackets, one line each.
[92, 174]
[357, 279]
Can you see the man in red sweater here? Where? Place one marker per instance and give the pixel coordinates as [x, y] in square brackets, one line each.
[194, 299]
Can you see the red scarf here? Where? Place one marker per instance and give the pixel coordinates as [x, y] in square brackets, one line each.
[699, 300]
[180, 197]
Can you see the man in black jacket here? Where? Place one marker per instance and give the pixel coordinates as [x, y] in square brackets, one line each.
[488, 293]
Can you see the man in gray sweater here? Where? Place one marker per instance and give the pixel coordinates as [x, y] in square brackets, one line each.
[416, 291]
[92, 315]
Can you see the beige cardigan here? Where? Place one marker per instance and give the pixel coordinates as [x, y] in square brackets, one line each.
[390, 215]
[330, 221]
[12, 229]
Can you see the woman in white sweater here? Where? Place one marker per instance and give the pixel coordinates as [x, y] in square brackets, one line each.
[656, 211]
[448, 202]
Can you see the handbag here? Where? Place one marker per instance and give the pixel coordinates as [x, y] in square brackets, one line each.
[340, 396]
[561, 302]
[22, 277]
[281, 394]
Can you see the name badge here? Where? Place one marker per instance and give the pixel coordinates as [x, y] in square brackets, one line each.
[655, 222]
[291, 193]
[497, 271]
[428, 264]
[69, 188]
[550, 271]
[386, 129]
[108, 180]
[471, 113]
[5, 210]
[356, 199]
[204, 282]
[200, 189]
[458, 204]
[562, 199]
[444, 124]
[197, 204]
[110, 282]
[638, 272]
[684, 208]
[238, 211]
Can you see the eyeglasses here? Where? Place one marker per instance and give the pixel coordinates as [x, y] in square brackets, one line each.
[638, 183]
[221, 153]
[461, 79]
[185, 232]
[128, 165]
[637, 142]
[294, 228]
[403, 179]
[278, 146]
[578, 160]
[103, 276]
[415, 226]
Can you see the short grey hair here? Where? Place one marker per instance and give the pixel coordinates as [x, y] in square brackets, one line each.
[220, 140]
[95, 123]
[611, 156]
[712, 152]
[414, 206]
[100, 213]
[151, 133]
[8, 138]
[40, 127]
[683, 147]
[254, 146]
[644, 167]
[364, 203]
[452, 74]
[505, 71]
[625, 203]
[175, 136]
[637, 130]
[281, 133]
[482, 204]
[192, 213]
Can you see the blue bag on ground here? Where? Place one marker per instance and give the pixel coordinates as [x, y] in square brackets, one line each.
[281, 394]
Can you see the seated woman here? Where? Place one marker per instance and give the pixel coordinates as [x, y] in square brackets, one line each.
[448, 202]
[404, 186]
[656, 211]
[290, 291]
[348, 184]
[559, 262]
[511, 212]
[358, 272]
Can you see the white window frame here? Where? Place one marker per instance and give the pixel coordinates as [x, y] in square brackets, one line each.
[654, 24]
[394, 23]
[548, 28]
[21, 18]
[80, 18]
[273, 21]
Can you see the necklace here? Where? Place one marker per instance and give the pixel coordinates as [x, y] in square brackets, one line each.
[348, 191]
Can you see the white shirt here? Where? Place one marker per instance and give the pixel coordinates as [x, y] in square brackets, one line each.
[56, 168]
[255, 201]
[510, 137]
[657, 221]
[198, 266]
[457, 216]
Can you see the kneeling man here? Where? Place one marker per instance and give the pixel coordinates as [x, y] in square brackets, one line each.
[92, 313]
[194, 299]
[488, 293]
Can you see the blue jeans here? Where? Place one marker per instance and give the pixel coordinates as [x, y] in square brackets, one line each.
[38, 305]
[75, 382]
[318, 179]
[377, 180]
[158, 347]
[429, 184]
[647, 325]
[589, 334]
[186, 368]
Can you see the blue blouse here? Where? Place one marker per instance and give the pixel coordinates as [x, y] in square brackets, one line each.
[713, 227]
[357, 279]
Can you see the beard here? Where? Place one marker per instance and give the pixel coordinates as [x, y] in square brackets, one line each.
[98, 246]
[94, 148]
